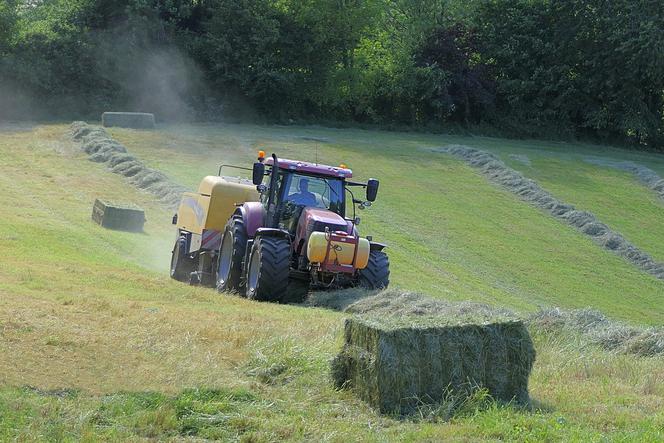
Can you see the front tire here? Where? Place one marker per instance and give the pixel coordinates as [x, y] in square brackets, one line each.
[231, 253]
[377, 273]
[181, 264]
[268, 269]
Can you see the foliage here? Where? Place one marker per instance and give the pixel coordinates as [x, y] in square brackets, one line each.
[533, 68]
[592, 66]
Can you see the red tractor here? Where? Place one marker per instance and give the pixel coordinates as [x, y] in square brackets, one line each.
[281, 238]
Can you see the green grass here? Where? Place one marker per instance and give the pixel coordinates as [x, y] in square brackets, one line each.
[616, 197]
[98, 343]
[450, 233]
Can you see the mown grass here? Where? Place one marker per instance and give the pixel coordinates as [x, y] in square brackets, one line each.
[450, 233]
[616, 197]
[98, 344]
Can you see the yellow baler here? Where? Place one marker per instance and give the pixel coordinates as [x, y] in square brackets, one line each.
[202, 216]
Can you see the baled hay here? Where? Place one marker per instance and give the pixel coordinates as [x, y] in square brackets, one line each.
[403, 349]
[120, 217]
[135, 120]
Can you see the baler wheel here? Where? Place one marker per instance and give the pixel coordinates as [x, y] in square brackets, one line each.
[268, 269]
[377, 273]
[181, 264]
[231, 254]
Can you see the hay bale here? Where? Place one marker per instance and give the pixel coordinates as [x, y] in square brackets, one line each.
[120, 217]
[135, 120]
[397, 362]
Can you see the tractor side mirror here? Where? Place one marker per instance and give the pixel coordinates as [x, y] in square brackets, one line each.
[372, 189]
[258, 173]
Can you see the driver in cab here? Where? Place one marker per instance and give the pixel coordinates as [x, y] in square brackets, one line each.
[304, 197]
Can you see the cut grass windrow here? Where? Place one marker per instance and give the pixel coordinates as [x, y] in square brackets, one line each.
[498, 172]
[101, 148]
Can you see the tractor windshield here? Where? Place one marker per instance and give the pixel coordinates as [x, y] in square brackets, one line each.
[319, 192]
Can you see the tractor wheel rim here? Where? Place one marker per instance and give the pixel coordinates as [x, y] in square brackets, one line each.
[254, 265]
[225, 259]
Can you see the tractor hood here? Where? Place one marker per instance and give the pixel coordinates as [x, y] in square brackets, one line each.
[316, 219]
[325, 217]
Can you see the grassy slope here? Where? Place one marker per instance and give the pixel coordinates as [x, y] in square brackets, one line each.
[90, 328]
[616, 197]
[451, 234]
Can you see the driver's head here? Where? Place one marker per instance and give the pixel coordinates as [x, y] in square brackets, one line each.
[303, 186]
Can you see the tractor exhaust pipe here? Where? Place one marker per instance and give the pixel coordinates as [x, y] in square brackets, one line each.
[273, 221]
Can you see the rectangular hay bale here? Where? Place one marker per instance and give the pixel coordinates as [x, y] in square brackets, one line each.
[397, 366]
[119, 217]
[134, 120]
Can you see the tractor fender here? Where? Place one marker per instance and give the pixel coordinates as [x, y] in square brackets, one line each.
[272, 232]
[375, 246]
[253, 216]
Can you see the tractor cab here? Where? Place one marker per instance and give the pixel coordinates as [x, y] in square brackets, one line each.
[299, 194]
[301, 190]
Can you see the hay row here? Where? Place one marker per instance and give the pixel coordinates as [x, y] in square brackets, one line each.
[608, 334]
[594, 327]
[101, 148]
[498, 172]
[645, 175]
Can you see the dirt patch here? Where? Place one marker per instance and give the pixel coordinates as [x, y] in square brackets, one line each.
[498, 172]
[101, 148]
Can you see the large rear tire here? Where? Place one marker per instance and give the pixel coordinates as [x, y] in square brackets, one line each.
[377, 273]
[231, 253]
[268, 269]
[181, 264]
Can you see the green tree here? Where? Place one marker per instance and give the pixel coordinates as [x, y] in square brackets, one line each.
[593, 66]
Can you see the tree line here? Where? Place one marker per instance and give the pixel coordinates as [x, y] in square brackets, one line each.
[543, 68]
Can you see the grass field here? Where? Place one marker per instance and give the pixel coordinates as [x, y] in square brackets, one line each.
[98, 343]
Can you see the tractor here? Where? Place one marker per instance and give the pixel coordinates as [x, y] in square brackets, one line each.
[276, 241]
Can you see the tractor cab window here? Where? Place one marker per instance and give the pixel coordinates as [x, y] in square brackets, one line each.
[319, 192]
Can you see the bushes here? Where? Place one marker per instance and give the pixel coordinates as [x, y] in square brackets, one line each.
[588, 65]
[532, 68]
